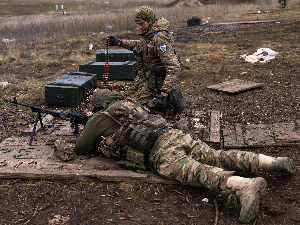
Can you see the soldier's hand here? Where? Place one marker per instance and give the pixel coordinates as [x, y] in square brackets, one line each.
[113, 41]
[161, 102]
[164, 94]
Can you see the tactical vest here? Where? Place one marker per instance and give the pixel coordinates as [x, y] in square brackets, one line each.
[137, 134]
[153, 74]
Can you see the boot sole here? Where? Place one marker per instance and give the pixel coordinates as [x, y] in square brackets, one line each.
[258, 188]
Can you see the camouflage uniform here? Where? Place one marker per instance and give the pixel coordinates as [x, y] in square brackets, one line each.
[154, 52]
[174, 154]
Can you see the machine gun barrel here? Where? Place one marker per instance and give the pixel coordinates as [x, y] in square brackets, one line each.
[74, 116]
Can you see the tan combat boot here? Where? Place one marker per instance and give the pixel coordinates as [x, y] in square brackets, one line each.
[280, 164]
[249, 191]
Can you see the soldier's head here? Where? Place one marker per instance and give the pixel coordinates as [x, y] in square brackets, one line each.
[98, 94]
[144, 18]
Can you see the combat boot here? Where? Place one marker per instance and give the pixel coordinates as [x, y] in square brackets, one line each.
[280, 164]
[249, 191]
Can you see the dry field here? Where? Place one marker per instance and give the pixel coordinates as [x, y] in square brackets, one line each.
[39, 44]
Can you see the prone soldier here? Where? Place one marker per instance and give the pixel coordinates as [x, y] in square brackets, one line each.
[173, 154]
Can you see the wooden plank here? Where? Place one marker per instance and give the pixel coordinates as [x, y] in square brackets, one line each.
[215, 126]
[261, 135]
[261, 145]
[235, 86]
[206, 135]
[239, 134]
[20, 160]
[229, 136]
[287, 136]
[284, 126]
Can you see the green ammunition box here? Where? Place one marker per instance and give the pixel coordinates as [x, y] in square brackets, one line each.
[117, 70]
[194, 22]
[115, 55]
[71, 89]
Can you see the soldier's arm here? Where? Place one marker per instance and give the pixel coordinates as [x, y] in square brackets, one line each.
[167, 56]
[129, 44]
[99, 125]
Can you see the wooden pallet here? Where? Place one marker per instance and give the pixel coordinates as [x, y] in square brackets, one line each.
[261, 135]
[205, 125]
[235, 86]
[20, 160]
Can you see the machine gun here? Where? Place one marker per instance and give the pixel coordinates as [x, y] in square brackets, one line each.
[74, 116]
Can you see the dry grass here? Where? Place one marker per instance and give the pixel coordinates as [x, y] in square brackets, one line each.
[84, 17]
[46, 44]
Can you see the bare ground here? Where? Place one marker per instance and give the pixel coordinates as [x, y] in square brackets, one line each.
[213, 54]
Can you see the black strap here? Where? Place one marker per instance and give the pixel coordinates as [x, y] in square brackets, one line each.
[161, 133]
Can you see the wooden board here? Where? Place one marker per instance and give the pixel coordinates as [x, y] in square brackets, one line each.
[260, 135]
[239, 134]
[20, 160]
[215, 126]
[205, 125]
[229, 136]
[288, 136]
[235, 86]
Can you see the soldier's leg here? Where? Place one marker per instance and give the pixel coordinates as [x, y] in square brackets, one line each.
[145, 97]
[239, 160]
[142, 94]
[169, 159]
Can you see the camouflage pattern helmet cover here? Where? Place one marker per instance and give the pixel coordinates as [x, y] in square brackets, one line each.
[146, 14]
[98, 94]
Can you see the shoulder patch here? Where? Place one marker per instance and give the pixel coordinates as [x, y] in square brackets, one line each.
[163, 47]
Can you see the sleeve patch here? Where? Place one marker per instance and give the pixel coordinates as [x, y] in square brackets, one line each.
[163, 47]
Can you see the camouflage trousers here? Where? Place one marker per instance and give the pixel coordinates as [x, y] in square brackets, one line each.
[176, 156]
[142, 94]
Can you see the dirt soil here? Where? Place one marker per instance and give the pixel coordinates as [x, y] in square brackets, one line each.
[94, 202]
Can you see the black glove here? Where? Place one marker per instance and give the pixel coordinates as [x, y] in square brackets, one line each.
[161, 103]
[176, 101]
[113, 41]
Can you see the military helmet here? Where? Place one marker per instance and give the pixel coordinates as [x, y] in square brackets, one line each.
[98, 94]
[145, 13]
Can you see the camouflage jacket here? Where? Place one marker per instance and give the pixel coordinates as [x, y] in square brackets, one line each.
[155, 50]
[135, 124]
